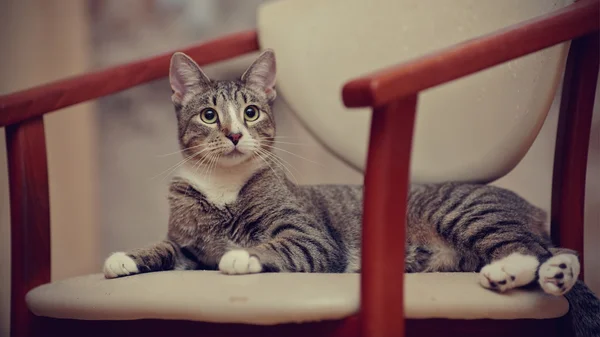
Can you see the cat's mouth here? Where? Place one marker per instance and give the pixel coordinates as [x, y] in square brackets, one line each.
[233, 157]
[235, 153]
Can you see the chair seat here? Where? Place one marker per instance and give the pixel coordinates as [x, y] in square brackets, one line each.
[276, 298]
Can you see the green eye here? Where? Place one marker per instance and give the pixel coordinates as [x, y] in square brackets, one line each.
[251, 113]
[208, 116]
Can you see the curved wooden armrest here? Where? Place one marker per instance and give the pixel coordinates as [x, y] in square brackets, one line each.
[387, 85]
[23, 105]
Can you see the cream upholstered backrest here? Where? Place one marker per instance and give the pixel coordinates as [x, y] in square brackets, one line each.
[474, 129]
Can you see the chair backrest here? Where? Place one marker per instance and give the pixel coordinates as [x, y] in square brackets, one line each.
[474, 129]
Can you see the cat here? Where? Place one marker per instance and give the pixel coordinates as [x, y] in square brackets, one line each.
[233, 209]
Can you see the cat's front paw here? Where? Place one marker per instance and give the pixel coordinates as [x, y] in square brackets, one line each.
[239, 261]
[559, 274]
[119, 264]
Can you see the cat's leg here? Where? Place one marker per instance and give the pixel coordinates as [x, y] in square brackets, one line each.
[416, 259]
[164, 255]
[506, 233]
[514, 256]
[292, 248]
[555, 274]
[286, 254]
[558, 274]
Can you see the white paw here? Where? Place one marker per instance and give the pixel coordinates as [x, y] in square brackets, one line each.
[119, 264]
[513, 271]
[239, 262]
[559, 274]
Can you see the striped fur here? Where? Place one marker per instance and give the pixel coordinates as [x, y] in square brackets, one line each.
[233, 208]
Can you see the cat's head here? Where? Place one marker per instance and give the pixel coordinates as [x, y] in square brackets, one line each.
[224, 123]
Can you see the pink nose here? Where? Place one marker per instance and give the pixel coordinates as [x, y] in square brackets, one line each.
[234, 137]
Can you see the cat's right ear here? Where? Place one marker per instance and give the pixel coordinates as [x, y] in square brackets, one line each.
[185, 77]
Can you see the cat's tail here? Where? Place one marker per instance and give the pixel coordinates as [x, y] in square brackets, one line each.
[584, 311]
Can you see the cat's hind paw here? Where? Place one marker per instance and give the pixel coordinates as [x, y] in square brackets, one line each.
[119, 264]
[559, 274]
[239, 261]
[513, 271]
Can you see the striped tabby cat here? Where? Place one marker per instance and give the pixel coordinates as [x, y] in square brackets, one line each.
[234, 210]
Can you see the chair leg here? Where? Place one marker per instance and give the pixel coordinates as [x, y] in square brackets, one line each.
[572, 142]
[30, 218]
[386, 192]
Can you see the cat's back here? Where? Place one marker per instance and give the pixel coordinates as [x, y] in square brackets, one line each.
[337, 205]
[466, 194]
[335, 199]
[427, 202]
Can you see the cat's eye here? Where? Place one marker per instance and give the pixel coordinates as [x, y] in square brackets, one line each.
[208, 116]
[251, 113]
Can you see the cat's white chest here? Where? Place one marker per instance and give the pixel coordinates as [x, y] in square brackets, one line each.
[220, 188]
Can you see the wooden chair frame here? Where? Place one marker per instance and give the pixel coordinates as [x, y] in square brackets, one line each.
[392, 93]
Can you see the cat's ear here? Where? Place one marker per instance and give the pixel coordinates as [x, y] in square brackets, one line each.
[261, 74]
[185, 76]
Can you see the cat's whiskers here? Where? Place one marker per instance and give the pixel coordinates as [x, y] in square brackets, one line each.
[214, 166]
[286, 137]
[280, 142]
[196, 166]
[168, 171]
[208, 159]
[279, 161]
[176, 166]
[256, 152]
[178, 152]
[209, 167]
[208, 149]
[283, 161]
[292, 153]
[204, 160]
[286, 143]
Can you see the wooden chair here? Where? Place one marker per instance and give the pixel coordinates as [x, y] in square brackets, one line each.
[386, 294]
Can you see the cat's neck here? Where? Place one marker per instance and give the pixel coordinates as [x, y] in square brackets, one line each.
[220, 186]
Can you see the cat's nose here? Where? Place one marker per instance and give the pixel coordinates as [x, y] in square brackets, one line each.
[234, 137]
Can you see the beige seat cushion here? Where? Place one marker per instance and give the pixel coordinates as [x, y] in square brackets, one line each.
[275, 298]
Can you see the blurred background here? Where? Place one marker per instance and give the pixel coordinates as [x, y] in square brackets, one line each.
[106, 158]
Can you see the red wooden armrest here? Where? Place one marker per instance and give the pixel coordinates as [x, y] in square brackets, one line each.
[393, 95]
[37, 101]
[443, 66]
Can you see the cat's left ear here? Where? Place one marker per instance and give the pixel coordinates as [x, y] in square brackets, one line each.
[186, 76]
[261, 74]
